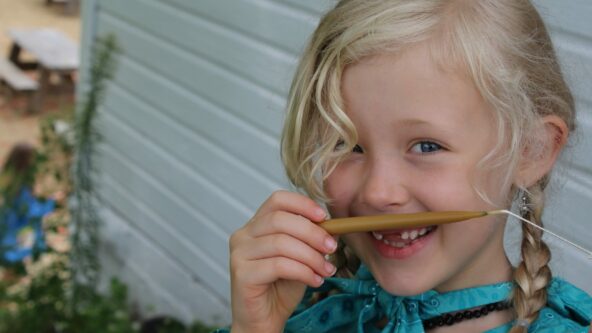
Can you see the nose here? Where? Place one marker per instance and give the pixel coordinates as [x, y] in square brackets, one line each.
[385, 186]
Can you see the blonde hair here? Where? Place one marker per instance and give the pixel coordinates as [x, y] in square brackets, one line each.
[501, 45]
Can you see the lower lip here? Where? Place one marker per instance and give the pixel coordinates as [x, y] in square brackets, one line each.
[392, 252]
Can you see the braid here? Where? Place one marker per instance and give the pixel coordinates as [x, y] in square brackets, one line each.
[533, 274]
[345, 261]
[347, 265]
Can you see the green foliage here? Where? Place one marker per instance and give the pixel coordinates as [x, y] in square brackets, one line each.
[55, 291]
[41, 306]
[85, 218]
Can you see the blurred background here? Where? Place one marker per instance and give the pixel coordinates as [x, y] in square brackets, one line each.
[170, 112]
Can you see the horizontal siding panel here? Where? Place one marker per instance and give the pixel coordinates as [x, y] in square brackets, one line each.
[145, 268]
[260, 19]
[191, 224]
[570, 264]
[572, 15]
[578, 153]
[568, 205]
[149, 158]
[223, 165]
[576, 63]
[194, 191]
[256, 61]
[256, 105]
[163, 102]
[185, 239]
[315, 7]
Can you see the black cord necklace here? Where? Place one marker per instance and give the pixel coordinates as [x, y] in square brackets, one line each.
[449, 319]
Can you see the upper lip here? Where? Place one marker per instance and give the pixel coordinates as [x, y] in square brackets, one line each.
[391, 231]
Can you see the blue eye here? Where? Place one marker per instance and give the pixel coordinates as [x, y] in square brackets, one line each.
[424, 147]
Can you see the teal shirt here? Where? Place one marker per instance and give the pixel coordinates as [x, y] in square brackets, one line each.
[361, 302]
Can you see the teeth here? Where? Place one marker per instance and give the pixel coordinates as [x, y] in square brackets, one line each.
[394, 244]
[405, 235]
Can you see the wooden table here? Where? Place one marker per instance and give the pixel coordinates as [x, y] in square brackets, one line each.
[71, 6]
[53, 53]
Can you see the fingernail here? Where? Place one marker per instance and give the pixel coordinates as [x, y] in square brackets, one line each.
[329, 268]
[330, 244]
[319, 279]
[320, 212]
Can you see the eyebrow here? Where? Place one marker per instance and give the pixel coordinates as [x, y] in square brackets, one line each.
[417, 122]
[413, 122]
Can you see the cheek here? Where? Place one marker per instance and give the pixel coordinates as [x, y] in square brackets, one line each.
[445, 190]
[340, 190]
[458, 188]
[471, 235]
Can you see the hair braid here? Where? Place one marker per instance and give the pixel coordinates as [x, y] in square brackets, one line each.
[346, 261]
[533, 274]
[347, 265]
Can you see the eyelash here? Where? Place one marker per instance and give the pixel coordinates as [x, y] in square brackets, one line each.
[356, 149]
[430, 147]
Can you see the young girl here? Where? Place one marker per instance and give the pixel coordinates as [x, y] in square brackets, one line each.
[408, 106]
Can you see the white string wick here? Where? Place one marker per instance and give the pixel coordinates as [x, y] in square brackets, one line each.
[587, 252]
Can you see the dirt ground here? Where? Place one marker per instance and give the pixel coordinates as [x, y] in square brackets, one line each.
[14, 124]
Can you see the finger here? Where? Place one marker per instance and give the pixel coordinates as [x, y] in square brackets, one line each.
[281, 245]
[270, 270]
[294, 203]
[296, 226]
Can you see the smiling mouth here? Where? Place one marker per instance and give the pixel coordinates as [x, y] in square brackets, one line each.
[403, 238]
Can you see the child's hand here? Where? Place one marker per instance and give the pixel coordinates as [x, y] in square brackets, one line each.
[272, 259]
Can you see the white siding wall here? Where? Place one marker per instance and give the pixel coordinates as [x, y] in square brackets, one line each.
[570, 199]
[191, 127]
[191, 131]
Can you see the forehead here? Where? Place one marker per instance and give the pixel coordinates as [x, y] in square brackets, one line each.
[411, 85]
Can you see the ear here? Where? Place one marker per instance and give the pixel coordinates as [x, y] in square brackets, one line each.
[538, 159]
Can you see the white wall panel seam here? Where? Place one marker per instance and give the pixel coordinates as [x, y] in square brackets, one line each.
[190, 172]
[217, 21]
[213, 146]
[301, 6]
[200, 215]
[226, 29]
[195, 215]
[220, 272]
[157, 218]
[216, 31]
[246, 161]
[146, 239]
[210, 106]
[275, 103]
[181, 51]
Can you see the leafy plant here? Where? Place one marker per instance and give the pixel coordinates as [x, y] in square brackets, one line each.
[55, 290]
[83, 208]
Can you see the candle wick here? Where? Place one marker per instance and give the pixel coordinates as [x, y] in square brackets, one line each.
[505, 211]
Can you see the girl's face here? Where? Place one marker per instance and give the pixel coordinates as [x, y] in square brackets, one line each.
[422, 132]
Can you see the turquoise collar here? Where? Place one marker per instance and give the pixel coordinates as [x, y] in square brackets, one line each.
[362, 302]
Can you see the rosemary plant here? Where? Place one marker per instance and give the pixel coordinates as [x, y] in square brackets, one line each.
[84, 198]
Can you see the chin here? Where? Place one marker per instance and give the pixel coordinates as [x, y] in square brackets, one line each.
[402, 286]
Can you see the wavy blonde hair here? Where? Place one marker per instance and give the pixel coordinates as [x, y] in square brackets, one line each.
[501, 45]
